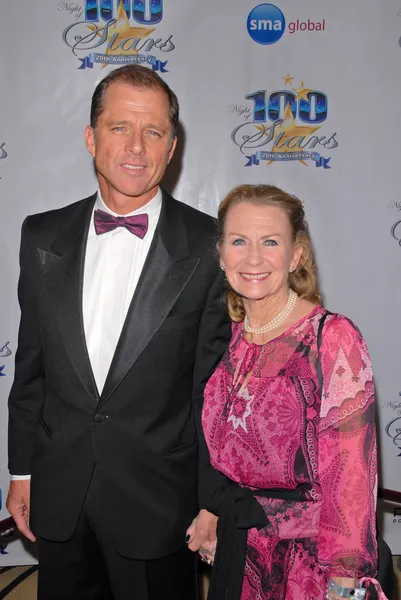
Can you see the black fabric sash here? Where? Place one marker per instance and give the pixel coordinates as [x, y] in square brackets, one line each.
[239, 511]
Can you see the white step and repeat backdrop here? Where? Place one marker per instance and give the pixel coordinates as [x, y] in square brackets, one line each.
[302, 95]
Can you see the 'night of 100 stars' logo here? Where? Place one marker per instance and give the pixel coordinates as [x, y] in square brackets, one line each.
[3, 153]
[283, 125]
[122, 29]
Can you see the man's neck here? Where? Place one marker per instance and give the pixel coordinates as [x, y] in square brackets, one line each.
[123, 205]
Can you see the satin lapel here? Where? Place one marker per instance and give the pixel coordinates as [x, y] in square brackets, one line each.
[166, 272]
[63, 273]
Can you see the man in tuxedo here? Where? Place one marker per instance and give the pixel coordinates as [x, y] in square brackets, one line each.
[122, 323]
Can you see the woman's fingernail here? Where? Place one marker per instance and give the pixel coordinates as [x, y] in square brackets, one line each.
[187, 538]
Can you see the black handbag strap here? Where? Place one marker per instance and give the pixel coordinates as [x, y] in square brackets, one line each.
[319, 344]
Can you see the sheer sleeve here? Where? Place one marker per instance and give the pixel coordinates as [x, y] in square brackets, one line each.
[347, 543]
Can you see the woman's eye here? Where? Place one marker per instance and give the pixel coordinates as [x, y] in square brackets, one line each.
[270, 243]
[238, 242]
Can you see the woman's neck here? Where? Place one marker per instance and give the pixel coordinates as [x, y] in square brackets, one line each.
[261, 312]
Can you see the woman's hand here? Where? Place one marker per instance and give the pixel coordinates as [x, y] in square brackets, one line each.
[207, 552]
[202, 531]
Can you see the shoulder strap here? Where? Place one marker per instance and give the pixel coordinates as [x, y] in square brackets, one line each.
[319, 343]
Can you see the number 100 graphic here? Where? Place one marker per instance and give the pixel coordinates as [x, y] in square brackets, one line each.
[145, 12]
[312, 110]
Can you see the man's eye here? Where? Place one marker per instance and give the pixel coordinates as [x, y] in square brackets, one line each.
[118, 128]
[154, 133]
[238, 242]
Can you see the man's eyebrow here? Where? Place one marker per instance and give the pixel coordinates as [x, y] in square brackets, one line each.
[117, 122]
[158, 126]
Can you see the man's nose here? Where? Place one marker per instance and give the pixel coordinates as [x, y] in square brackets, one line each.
[135, 143]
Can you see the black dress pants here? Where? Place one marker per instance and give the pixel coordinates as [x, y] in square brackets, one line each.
[88, 568]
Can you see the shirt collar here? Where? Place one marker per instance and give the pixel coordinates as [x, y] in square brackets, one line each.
[152, 208]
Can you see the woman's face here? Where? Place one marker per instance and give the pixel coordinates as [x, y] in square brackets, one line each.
[258, 250]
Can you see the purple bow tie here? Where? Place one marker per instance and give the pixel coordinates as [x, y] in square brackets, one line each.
[136, 224]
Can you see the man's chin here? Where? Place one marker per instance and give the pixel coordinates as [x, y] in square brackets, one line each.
[138, 195]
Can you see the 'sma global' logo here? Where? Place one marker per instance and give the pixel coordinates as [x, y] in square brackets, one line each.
[123, 28]
[266, 24]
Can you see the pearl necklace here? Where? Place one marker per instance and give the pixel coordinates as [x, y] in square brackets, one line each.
[278, 320]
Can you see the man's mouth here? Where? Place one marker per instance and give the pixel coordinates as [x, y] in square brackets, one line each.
[133, 167]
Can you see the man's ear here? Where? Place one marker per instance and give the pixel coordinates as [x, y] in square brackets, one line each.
[172, 148]
[90, 140]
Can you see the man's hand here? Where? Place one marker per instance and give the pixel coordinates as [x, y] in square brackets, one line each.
[18, 502]
[202, 531]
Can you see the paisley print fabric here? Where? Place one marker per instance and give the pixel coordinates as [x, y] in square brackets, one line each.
[268, 425]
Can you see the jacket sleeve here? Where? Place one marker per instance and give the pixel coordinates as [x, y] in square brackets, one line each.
[27, 392]
[214, 336]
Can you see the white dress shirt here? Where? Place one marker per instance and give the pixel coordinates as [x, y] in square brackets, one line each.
[113, 265]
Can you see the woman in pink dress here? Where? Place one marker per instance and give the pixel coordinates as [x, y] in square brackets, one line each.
[289, 419]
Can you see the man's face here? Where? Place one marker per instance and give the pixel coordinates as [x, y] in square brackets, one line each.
[132, 145]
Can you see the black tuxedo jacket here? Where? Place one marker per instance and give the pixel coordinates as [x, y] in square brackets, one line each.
[142, 435]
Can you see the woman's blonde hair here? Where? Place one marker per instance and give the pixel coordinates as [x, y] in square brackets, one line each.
[304, 279]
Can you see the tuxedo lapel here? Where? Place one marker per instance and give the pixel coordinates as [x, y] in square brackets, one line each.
[63, 270]
[166, 272]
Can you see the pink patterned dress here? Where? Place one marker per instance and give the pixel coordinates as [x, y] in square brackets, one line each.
[267, 425]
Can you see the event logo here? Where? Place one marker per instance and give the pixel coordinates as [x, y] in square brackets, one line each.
[286, 121]
[266, 24]
[399, 15]
[3, 153]
[396, 231]
[396, 227]
[3, 547]
[393, 430]
[121, 29]
[4, 352]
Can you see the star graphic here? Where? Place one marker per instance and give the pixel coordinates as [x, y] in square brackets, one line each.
[302, 92]
[288, 79]
[241, 410]
[290, 129]
[121, 32]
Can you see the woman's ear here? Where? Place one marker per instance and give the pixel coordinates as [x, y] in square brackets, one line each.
[296, 257]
